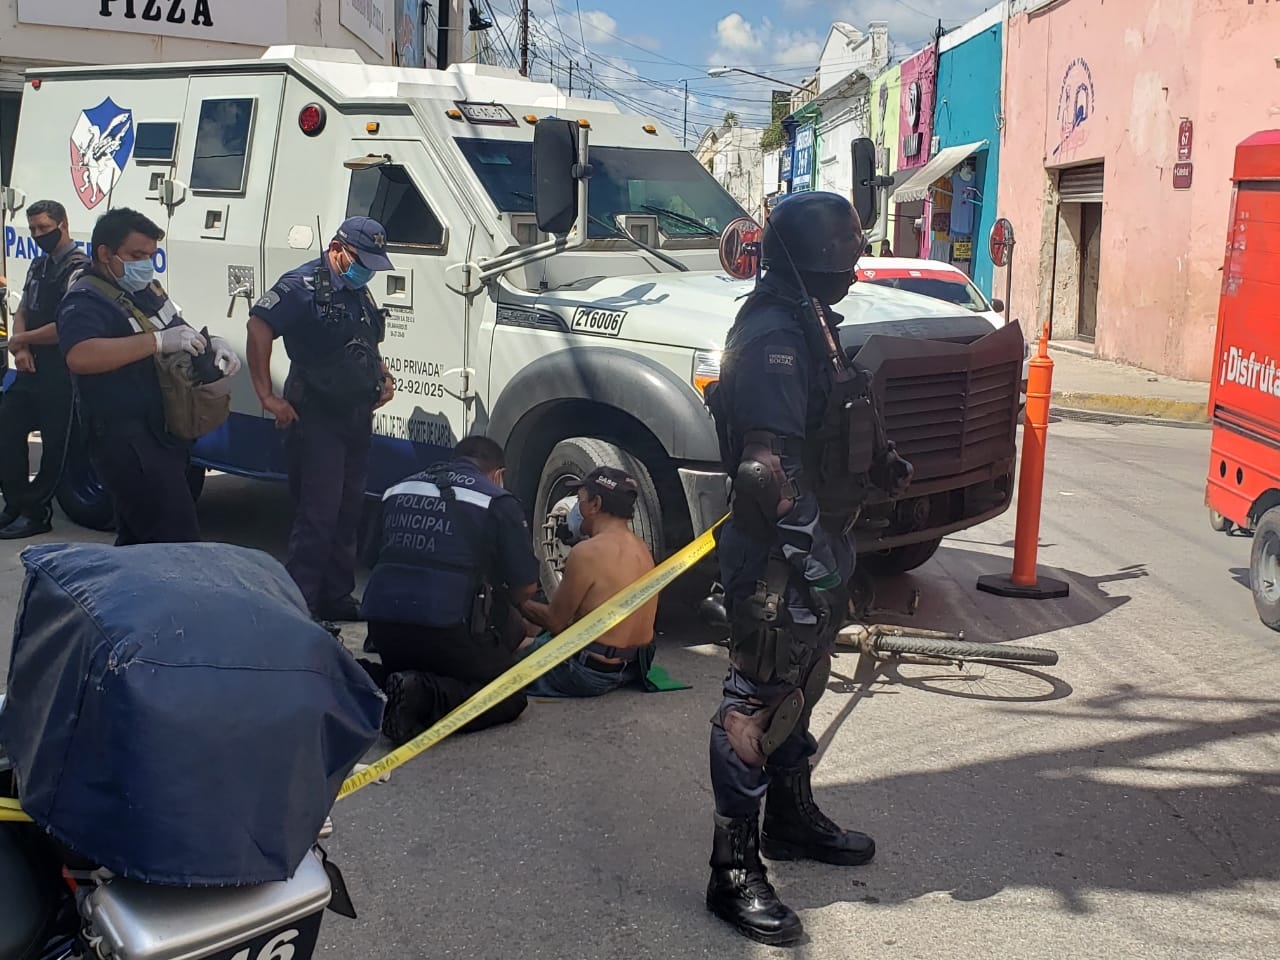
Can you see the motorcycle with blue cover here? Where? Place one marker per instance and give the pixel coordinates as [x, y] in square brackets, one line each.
[54, 905]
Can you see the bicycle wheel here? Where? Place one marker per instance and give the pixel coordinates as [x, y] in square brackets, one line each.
[965, 650]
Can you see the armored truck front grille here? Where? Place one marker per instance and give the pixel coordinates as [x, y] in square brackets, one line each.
[950, 407]
[944, 422]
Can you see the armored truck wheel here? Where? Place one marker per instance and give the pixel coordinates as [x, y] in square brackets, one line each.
[573, 459]
[80, 493]
[891, 563]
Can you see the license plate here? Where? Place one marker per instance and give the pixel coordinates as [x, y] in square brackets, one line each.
[296, 941]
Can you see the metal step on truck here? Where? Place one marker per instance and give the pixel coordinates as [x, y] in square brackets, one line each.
[575, 335]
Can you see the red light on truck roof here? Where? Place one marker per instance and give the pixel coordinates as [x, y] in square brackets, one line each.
[311, 119]
[35, 84]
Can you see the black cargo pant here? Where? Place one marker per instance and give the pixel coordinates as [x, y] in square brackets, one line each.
[36, 401]
[328, 468]
[454, 664]
[147, 479]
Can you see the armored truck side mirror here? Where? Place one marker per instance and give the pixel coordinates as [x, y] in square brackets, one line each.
[555, 189]
[865, 182]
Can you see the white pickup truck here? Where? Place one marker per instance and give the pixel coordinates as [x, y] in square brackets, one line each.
[587, 345]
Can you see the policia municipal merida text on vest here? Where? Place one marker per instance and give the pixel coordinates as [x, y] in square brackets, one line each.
[435, 531]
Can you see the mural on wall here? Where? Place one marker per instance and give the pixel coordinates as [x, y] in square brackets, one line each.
[409, 34]
[915, 120]
[1075, 107]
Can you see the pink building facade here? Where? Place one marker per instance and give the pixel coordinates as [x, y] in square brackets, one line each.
[1119, 130]
[915, 127]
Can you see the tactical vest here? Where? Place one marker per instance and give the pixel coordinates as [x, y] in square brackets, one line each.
[350, 375]
[839, 451]
[41, 296]
[47, 284]
[437, 556]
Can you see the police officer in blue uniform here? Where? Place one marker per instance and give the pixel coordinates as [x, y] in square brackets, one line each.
[793, 416]
[331, 327]
[442, 601]
[40, 397]
[113, 322]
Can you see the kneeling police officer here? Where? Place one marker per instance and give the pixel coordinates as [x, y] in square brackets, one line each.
[788, 407]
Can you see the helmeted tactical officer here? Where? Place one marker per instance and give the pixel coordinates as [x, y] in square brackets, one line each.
[332, 328]
[455, 563]
[789, 409]
[40, 397]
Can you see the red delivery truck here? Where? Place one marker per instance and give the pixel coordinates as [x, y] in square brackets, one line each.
[1243, 488]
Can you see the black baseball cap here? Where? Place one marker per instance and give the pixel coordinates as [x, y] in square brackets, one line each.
[616, 489]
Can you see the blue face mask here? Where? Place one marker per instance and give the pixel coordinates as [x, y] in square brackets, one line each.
[357, 275]
[574, 521]
[137, 275]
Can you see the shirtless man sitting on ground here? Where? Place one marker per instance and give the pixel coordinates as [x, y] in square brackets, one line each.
[609, 559]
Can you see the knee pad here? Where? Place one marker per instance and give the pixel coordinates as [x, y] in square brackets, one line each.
[754, 736]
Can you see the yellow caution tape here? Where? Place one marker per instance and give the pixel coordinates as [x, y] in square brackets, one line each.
[12, 812]
[577, 637]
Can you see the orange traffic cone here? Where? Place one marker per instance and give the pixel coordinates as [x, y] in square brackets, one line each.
[1023, 582]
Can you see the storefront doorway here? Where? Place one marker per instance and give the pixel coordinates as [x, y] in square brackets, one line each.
[1077, 253]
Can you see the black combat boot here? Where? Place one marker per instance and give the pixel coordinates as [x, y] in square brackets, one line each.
[795, 829]
[739, 892]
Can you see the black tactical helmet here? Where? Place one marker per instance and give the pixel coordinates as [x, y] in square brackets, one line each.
[821, 231]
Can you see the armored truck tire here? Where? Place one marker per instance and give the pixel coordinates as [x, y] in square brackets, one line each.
[573, 459]
[899, 560]
[80, 493]
[85, 500]
[1264, 568]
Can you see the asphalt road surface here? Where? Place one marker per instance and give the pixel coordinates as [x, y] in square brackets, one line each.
[1120, 804]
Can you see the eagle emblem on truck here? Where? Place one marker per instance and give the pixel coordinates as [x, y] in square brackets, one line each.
[101, 145]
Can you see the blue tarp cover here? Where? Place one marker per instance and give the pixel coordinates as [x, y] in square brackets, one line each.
[175, 715]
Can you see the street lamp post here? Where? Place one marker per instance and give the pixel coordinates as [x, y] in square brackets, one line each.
[723, 71]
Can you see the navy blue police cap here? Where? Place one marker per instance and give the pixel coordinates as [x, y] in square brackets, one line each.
[369, 239]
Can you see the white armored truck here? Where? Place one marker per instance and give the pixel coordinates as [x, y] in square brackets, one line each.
[590, 343]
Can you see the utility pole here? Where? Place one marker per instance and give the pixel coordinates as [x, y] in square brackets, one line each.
[571, 78]
[524, 38]
[685, 137]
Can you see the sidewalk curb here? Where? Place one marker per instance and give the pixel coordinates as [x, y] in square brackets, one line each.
[1147, 409]
[1100, 416]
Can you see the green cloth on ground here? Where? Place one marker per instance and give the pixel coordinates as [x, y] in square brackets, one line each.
[659, 681]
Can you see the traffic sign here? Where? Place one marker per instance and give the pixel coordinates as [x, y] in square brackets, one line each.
[1001, 242]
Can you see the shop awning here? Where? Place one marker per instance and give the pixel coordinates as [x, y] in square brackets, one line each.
[947, 159]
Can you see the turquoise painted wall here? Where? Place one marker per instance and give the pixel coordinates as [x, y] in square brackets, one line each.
[965, 111]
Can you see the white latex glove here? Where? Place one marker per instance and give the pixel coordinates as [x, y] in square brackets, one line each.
[224, 356]
[180, 337]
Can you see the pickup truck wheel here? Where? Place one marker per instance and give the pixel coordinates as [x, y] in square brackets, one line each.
[573, 459]
[1264, 568]
[891, 563]
[80, 493]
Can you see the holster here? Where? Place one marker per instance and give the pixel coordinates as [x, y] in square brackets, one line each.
[765, 644]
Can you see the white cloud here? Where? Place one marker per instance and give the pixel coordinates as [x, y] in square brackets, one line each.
[736, 34]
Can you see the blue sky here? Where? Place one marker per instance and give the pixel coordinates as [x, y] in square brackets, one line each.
[640, 52]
